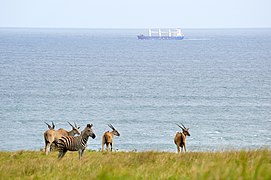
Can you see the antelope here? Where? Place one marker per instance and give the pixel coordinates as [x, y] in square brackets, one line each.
[78, 143]
[51, 136]
[180, 138]
[73, 132]
[107, 138]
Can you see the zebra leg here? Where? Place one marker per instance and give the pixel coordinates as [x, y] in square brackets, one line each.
[61, 154]
[81, 151]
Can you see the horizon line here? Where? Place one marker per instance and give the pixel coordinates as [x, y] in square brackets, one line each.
[133, 27]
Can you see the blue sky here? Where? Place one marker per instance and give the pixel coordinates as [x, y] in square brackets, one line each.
[135, 14]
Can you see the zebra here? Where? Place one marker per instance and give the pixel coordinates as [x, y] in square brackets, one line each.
[78, 143]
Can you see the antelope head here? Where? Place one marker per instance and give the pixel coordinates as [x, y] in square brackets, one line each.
[75, 128]
[185, 130]
[115, 132]
[49, 126]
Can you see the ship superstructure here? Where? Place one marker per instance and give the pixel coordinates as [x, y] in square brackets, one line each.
[175, 34]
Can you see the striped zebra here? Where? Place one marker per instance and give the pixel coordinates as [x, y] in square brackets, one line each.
[78, 143]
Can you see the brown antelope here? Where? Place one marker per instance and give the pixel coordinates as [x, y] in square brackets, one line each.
[107, 138]
[180, 138]
[73, 132]
[52, 136]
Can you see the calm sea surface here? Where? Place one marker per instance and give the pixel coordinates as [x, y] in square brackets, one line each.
[216, 82]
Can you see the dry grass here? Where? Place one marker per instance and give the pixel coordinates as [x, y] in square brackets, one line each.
[132, 165]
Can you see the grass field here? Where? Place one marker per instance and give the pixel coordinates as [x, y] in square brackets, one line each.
[137, 165]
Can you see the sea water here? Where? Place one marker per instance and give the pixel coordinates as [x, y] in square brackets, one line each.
[217, 82]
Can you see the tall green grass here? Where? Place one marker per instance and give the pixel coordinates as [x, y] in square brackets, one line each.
[133, 165]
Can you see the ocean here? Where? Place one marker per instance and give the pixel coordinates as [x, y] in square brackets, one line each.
[217, 82]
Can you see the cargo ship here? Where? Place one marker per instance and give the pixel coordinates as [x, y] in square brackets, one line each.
[170, 34]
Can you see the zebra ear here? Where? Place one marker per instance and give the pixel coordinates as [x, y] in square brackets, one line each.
[89, 125]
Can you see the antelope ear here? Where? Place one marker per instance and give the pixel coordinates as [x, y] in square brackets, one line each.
[78, 127]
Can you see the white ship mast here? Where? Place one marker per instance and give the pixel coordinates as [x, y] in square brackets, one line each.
[169, 32]
[159, 32]
[150, 33]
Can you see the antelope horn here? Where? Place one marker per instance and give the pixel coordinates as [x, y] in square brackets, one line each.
[110, 125]
[53, 125]
[49, 126]
[71, 125]
[179, 126]
[183, 126]
[75, 124]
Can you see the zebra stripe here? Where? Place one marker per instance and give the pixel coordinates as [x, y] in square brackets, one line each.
[78, 143]
[72, 143]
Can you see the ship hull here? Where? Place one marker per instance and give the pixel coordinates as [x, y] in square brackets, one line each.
[142, 37]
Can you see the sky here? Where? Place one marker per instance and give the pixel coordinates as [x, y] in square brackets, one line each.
[135, 13]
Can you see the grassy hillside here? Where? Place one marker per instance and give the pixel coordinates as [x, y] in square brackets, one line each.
[133, 165]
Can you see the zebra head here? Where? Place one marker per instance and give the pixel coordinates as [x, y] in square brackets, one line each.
[89, 131]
